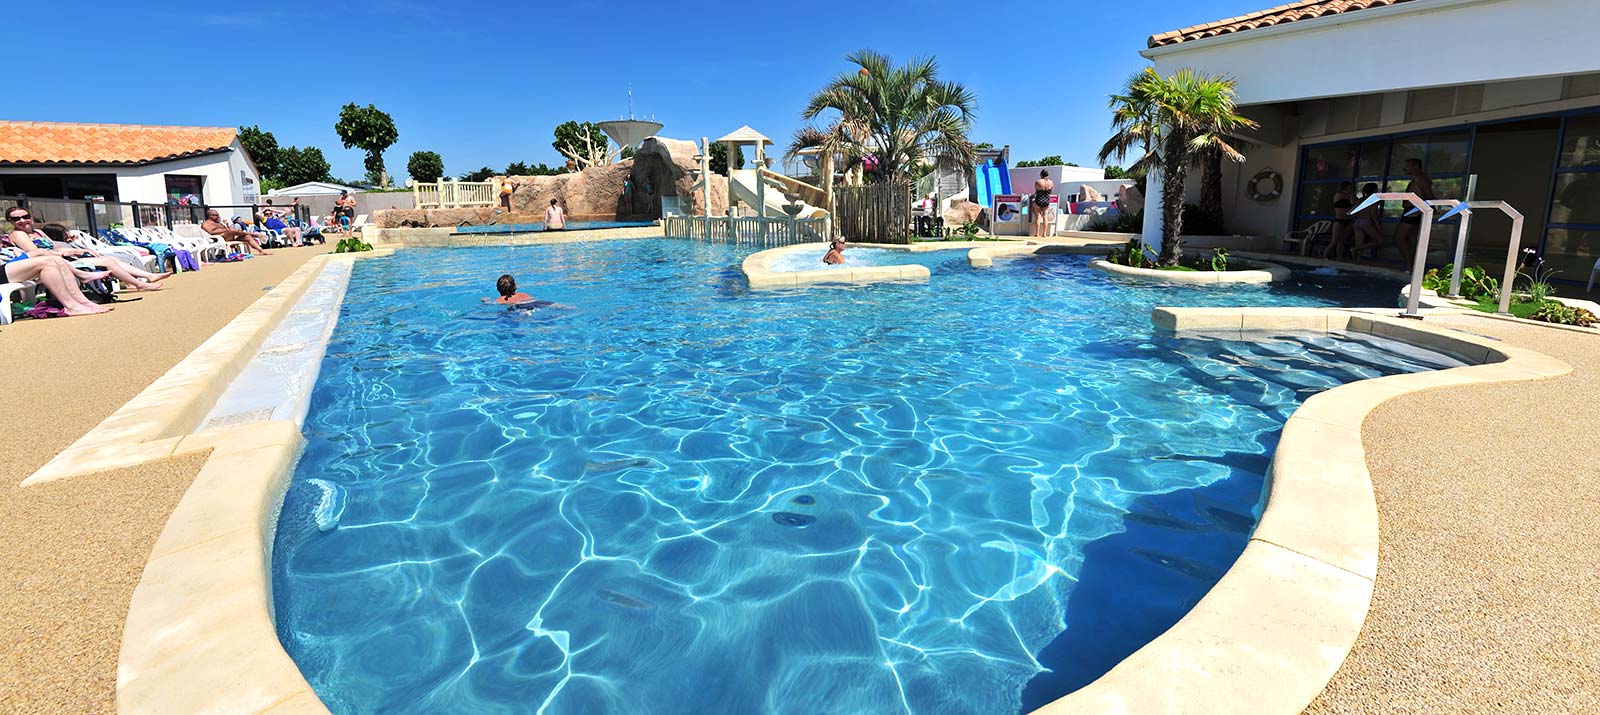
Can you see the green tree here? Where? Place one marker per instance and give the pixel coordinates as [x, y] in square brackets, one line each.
[479, 175]
[517, 168]
[425, 166]
[719, 159]
[583, 143]
[1115, 172]
[541, 169]
[899, 115]
[983, 146]
[1052, 160]
[1176, 121]
[370, 130]
[298, 166]
[263, 150]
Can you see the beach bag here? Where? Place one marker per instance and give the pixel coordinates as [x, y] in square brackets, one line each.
[98, 290]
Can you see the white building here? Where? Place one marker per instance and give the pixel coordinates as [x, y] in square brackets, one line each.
[1347, 90]
[313, 188]
[125, 162]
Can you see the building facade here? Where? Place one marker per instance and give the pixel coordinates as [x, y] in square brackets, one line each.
[126, 162]
[1499, 97]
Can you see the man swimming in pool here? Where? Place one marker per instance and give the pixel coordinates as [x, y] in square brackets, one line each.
[507, 287]
[835, 253]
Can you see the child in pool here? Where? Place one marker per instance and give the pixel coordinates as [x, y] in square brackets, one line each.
[507, 287]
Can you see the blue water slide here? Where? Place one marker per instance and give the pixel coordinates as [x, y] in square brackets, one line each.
[1005, 178]
[985, 188]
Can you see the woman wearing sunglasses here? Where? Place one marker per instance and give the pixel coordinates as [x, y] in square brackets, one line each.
[58, 277]
[34, 242]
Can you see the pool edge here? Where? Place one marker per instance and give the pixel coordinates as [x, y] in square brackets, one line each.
[1277, 626]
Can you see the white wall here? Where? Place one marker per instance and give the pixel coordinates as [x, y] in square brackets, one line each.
[1415, 44]
[1022, 177]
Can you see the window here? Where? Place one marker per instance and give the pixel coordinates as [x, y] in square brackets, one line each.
[1572, 237]
[1381, 161]
[180, 186]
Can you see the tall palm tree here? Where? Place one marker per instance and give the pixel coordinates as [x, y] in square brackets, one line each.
[898, 115]
[1176, 120]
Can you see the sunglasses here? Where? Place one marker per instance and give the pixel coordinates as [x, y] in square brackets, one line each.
[24, 217]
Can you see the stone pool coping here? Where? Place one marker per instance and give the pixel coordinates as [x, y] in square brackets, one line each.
[448, 238]
[200, 634]
[159, 422]
[1262, 272]
[757, 267]
[1274, 630]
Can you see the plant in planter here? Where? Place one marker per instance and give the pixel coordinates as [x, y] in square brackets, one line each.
[351, 245]
[1553, 312]
[1219, 259]
[1132, 255]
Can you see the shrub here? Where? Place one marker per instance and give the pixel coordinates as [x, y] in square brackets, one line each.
[1219, 259]
[351, 245]
[1132, 255]
[1554, 312]
[1476, 282]
[1124, 223]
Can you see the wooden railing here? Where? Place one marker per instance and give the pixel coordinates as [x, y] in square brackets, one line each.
[748, 230]
[454, 194]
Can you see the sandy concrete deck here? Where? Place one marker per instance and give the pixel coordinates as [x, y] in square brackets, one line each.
[1488, 595]
[74, 550]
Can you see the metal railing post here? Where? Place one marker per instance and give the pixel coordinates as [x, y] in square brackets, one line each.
[88, 217]
[138, 221]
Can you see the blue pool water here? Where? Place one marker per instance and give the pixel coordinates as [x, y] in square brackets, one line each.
[539, 226]
[810, 259]
[675, 495]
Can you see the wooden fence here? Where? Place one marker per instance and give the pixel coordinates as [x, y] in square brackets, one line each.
[454, 194]
[748, 230]
[876, 213]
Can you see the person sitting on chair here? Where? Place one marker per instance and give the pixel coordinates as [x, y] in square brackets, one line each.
[214, 226]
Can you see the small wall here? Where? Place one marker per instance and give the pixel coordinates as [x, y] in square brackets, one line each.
[1256, 272]
[448, 238]
[757, 271]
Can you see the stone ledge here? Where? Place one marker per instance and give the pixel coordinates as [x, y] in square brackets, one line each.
[1275, 629]
[1264, 272]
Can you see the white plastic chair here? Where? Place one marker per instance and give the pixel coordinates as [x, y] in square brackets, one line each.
[1305, 236]
[127, 254]
[204, 244]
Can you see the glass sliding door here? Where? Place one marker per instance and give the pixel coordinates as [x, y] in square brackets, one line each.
[1572, 240]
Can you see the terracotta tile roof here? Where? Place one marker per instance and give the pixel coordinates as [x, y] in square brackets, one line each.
[1303, 10]
[69, 143]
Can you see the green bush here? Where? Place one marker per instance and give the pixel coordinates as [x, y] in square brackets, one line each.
[351, 245]
[1476, 282]
[1219, 259]
[1553, 312]
[1132, 255]
[1124, 223]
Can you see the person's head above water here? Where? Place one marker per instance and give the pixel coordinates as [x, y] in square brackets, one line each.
[506, 285]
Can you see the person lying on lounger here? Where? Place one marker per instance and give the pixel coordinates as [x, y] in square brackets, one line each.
[52, 238]
[214, 226]
[36, 244]
[59, 279]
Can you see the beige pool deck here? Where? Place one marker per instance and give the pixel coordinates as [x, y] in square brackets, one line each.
[1481, 585]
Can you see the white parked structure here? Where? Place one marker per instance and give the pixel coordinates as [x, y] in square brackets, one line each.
[314, 188]
[1347, 90]
[125, 162]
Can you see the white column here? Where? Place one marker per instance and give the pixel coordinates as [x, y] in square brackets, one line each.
[1152, 209]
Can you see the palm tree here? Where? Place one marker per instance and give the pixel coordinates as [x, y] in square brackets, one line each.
[1177, 120]
[898, 115]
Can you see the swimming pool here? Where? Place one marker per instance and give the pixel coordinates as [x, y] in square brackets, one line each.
[677, 495]
[810, 258]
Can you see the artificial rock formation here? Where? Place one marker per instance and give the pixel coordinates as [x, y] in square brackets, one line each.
[629, 190]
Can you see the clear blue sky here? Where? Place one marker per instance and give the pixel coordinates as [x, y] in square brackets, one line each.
[484, 83]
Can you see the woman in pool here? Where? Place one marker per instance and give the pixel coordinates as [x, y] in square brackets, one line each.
[835, 253]
[506, 286]
[555, 219]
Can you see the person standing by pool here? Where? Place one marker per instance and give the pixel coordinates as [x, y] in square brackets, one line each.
[835, 253]
[505, 193]
[1367, 230]
[1040, 211]
[345, 206]
[1411, 226]
[555, 219]
[1343, 221]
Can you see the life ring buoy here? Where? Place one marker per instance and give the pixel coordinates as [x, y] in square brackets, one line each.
[1265, 186]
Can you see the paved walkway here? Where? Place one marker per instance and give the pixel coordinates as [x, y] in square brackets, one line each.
[72, 551]
[1488, 591]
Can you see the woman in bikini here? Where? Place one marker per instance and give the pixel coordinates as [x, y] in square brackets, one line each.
[58, 277]
[1343, 221]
